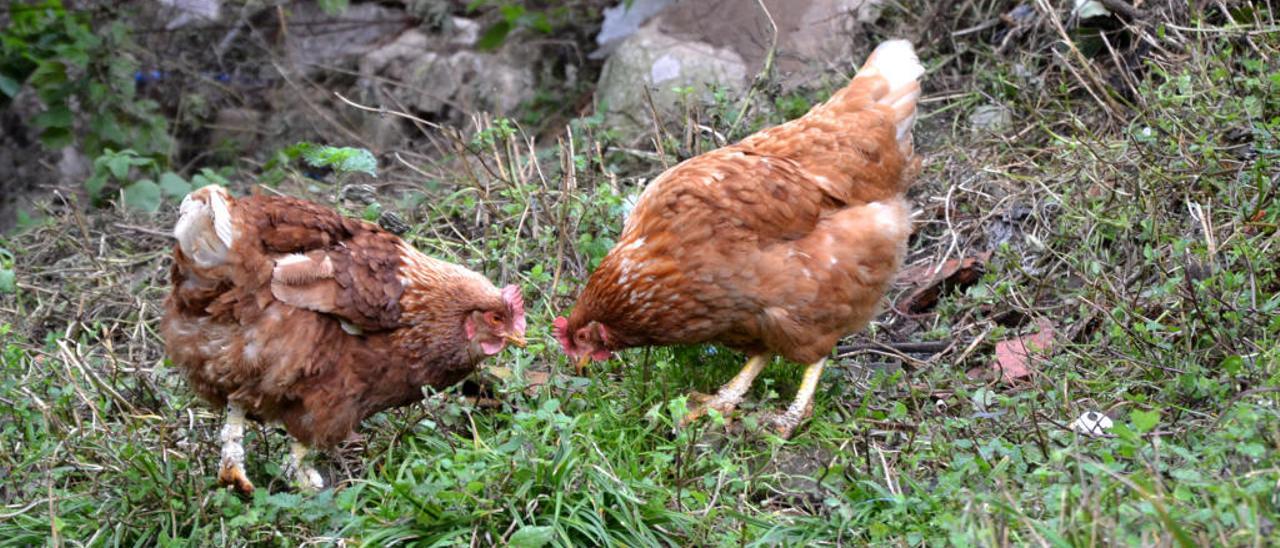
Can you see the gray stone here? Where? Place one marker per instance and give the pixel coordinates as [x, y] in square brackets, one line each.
[725, 43]
[622, 20]
[664, 64]
[317, 40]
[990, 118]
[434, 78]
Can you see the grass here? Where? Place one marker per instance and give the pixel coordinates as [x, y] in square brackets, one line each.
[1144, 232]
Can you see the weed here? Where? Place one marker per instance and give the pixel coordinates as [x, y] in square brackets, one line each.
[1147, 236]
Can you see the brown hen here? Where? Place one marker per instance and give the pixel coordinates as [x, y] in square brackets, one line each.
[778, 245]
[287, 312]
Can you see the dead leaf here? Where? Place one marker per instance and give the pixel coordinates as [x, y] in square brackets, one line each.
[1013, 356]
[493, 375]
[955, 275]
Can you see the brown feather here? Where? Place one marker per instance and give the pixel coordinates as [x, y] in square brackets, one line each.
[783, 242]
[264, 328]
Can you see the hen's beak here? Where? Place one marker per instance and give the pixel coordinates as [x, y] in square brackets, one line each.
[582, 363]
[516, 340]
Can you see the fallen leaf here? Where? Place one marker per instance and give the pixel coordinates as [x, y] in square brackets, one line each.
[533, 379]
[1013, 356]
[955, 275]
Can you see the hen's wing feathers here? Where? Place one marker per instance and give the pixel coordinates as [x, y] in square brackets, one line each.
[769, 197]
[288, 225]
[328, 263]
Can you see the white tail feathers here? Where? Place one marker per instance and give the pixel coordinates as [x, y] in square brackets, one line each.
[896, 62]
[204, 229]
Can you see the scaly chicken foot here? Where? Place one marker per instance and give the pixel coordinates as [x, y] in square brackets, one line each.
[729, 396]
[231, 471]
[304, 475]
[785, 423]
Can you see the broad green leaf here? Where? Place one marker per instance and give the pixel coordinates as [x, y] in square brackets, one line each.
[1144, 421]
[107, 126]
[494, 36]
[119, 165]
[94, 184]
[8, 280]
[173, 185]
[531, 537]
[340, 159]
[48, 74]
[512, 12]
[56, 137]
[143, 195]
[9, 86]
[56, 117]
[1233, 364]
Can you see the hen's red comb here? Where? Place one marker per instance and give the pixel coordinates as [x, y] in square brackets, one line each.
[561, 330]
[515, 302]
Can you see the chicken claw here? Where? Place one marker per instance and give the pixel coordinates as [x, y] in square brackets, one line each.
[730, 395]
[785, 423]
[703, 402]
[304, 476]
[231, 470]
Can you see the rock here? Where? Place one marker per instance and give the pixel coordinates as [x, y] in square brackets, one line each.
[73, 167]
[393, 222]
[361, 194]
[623, 20]
[236, 130]
[662, 63]
[316, 40]
[990, 118]
[725, 42]
[383, 132]
[184, 12]
[436, 80]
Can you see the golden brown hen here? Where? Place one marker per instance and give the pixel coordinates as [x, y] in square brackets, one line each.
[286, 311]
[778, 245]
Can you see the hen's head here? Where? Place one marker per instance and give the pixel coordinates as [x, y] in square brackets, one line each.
[491, 329]
[583, 341]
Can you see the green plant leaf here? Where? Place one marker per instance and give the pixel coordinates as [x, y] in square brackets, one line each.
[531, 537]
[56, 137]
[58, 116]
[1233, 364]
[118, 164]
[143, 195]
[1144, 421]
[333, 7]
[340, 159]
[9, 86]
[173, 185]
[8, 280]
[48, 74]
[494, 36]
[95, 184]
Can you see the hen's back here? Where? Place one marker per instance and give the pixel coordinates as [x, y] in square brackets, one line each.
[857, 145]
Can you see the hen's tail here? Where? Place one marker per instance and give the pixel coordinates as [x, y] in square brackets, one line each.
[204, 229]
[890, 77]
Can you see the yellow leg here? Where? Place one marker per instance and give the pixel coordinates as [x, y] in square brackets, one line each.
[729, 395]
[800, 409]
[306, 477]
[231, 471]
